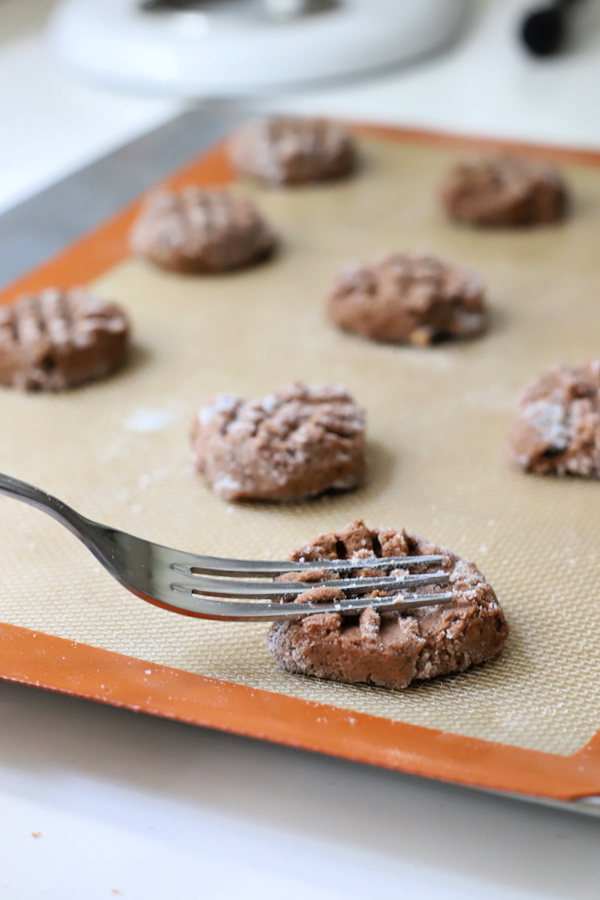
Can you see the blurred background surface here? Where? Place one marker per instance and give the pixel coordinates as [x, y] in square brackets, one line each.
[482, 82]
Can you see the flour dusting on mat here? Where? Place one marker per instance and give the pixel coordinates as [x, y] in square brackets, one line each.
[148, 420]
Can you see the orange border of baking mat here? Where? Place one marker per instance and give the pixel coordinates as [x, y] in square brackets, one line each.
[38, 659]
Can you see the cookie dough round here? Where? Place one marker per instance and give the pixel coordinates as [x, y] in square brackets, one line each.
[59, 339]
[201, 231]
[557, 425]
[408, 297]
[505, 191]
[392, 649]
[292, 444]
[290, 151]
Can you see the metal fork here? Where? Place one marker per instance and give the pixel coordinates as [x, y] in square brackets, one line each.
[176, 581]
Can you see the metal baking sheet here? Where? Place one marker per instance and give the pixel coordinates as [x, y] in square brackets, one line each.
[118, 451]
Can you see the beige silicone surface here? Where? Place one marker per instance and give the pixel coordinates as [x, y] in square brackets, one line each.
[437, 421]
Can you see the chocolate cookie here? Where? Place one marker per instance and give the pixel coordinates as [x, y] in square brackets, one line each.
[201, 231]
[505, 191]
[293, 151]
[557, 426]
[392, 649]
[293, 444]
[415, 298]
[58, 339]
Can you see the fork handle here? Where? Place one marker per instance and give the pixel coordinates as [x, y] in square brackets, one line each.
[21, 490]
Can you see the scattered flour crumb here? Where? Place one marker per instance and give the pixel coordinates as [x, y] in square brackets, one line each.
[226, 483]
[148, 420]
[269, 403]
[226, 402]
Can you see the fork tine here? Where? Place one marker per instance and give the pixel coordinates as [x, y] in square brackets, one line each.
[203, 607]
[191, 565]
[260, 590]
[383, 604]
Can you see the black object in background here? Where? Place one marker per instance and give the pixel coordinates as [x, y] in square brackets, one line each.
[545, 30]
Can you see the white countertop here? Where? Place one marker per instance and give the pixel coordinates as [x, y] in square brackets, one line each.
[97, 802]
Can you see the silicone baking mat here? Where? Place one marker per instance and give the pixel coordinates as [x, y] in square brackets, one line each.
[118, 451]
